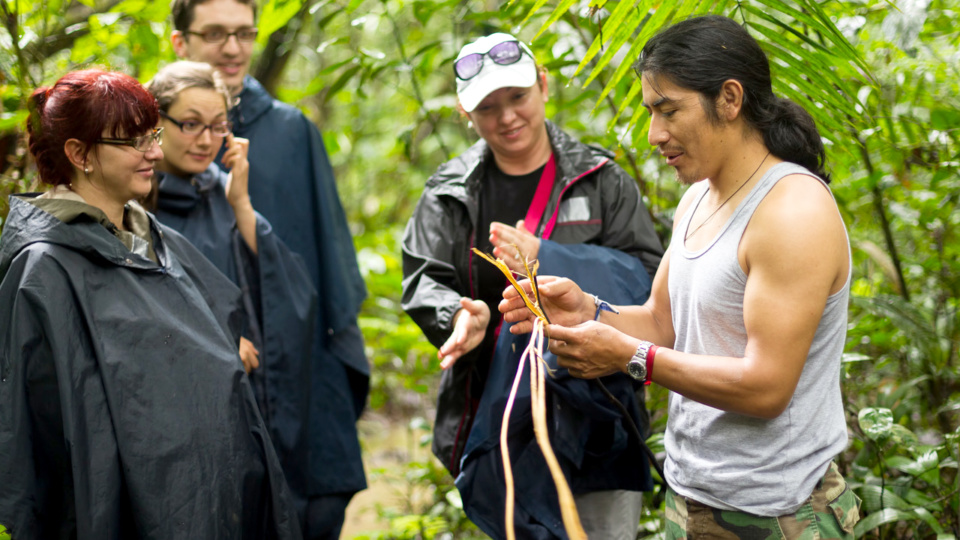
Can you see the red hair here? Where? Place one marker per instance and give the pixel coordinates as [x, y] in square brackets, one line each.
[83, 105]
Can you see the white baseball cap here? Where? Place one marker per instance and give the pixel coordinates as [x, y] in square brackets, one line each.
[522, 73]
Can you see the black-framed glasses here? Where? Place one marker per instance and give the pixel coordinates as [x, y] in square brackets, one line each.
[141, 143]
[504, 54]
[192, 127]
[219, 36]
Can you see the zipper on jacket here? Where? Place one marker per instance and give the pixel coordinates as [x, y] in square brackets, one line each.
[543, 225]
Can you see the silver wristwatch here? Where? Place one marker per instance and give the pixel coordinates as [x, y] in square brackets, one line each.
[637, 366]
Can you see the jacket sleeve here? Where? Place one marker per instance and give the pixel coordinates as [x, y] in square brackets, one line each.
[17, 466]
[627, 225]
[37, 495]
[431, 286]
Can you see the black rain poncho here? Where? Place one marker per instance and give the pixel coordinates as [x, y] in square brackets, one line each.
[124, 408]
[279, 300]
[292, 185]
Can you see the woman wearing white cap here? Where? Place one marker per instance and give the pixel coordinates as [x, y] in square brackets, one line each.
[581, 215]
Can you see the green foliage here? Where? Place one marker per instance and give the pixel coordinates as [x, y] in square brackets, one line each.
[898, 189]
[401, 359]
[430, 504]
[880, 79]
[799, 37]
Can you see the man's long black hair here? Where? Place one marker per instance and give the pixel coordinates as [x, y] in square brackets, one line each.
[702, 53]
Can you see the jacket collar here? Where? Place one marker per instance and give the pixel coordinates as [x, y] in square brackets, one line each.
[180, 195]
[460, 176]
[254, 102]
[28, 224]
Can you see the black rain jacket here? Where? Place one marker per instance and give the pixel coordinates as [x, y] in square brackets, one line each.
[124, 408]
[293, 187]
[438, 266]
[279, 301]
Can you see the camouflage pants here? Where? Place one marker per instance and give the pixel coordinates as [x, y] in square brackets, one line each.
[830, 512]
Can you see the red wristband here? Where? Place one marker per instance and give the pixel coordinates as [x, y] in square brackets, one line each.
[651, 354]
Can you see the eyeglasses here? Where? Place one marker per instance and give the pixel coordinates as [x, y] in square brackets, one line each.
[219, 36]
[192, 127]
[141, 143]
[504, 54]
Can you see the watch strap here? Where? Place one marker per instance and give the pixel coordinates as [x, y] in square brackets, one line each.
[651, 354]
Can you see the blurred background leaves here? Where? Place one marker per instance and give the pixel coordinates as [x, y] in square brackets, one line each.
[880, 77]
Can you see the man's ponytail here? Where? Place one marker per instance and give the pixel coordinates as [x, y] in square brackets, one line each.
[791, 134]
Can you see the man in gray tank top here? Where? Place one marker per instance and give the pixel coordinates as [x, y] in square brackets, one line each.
[747, 319]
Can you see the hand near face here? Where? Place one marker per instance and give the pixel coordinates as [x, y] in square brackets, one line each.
[589, 350]
[561, 299]
[469, 327]
[506, 240]
[236, 159]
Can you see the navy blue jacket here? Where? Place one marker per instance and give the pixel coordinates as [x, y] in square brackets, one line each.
[592, 444]
[292, 185]
[278, 298]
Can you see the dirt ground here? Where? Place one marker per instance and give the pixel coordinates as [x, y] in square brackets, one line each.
[388, 445]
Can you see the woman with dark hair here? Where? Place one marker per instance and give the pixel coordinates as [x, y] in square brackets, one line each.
[124, 409]
[212, 209]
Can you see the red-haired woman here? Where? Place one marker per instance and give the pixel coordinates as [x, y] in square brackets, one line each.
[124, 408]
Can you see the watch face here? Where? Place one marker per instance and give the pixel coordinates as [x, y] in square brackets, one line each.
[637, 369]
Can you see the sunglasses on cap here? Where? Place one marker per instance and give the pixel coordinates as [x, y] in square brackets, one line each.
[504, 54]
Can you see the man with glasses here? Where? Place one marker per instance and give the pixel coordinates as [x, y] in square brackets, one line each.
[292, 185]
[527, 189]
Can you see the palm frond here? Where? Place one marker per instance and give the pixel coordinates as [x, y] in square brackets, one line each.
[812, 62]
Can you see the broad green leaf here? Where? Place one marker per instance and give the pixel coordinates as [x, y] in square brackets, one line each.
[926, 467]
[13, 120]
[274, 16]
[629, 99]
[856, 357]
[875, 423]
[343, 79]
[876, 519]
[625, 10]
[564, 6]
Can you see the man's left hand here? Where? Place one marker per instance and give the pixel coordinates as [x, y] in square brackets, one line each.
[591, 349]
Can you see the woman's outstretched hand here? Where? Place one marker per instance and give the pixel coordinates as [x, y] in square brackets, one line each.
[469, 327]
[560, 298]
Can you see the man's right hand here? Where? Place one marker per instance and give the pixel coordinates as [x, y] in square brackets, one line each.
[561, 299]
[469, 327]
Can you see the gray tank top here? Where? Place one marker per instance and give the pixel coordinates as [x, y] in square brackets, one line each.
[731, 461]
